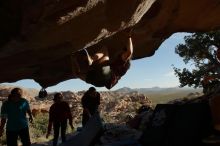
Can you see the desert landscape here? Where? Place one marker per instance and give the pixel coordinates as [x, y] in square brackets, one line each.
[117, 108]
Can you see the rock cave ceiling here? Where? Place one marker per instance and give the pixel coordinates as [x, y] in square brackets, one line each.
[37, 37]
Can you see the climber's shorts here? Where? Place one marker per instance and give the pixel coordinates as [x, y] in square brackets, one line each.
[99, 76]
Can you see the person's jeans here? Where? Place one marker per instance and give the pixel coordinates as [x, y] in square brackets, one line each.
[86, 116]
[57, 126]
[12, 137]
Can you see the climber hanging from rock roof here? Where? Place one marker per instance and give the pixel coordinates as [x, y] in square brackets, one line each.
[100, 69]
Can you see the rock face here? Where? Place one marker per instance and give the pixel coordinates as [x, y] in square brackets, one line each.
[28, 93]
[114, 107]
[38, 37]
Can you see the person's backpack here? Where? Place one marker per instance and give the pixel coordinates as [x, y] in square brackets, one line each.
[42, 93]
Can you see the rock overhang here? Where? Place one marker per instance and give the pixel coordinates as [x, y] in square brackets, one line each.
[37, 37]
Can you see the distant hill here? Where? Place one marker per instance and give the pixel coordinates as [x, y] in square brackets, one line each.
[163, 95]
[157, 90]
[124, 90]
[155, 94]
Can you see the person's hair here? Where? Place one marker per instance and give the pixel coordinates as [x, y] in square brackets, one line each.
[92, 89]
[57, 96]
[16, 91]
[89, 91]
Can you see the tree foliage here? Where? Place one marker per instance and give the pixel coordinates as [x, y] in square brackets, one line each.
[199, 50]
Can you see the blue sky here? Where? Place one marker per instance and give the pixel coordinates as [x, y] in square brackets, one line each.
[143, 73]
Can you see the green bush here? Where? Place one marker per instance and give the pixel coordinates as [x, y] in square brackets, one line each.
[3, 140]
[39, 128]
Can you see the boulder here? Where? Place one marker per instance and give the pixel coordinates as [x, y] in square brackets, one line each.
[178, 124]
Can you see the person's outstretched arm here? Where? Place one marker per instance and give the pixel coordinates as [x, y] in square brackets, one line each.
[30, 115]
[129, 50]
[49, 128]
[75, 62]
[28, 109]
[70, 116]
[90, 60]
